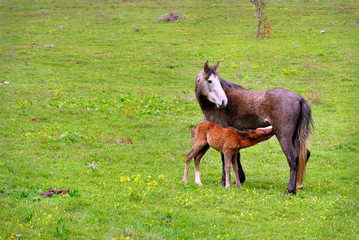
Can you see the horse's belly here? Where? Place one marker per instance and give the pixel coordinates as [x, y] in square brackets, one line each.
[249, 122]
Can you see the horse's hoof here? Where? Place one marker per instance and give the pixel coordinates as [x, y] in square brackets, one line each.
[221, 183]
[287, 192]
[300, 186]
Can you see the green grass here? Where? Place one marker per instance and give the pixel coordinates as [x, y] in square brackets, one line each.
[94, 106]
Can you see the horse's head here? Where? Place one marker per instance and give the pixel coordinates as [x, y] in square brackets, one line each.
[209, 85]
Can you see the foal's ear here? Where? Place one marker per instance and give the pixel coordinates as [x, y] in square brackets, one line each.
[216, 66]
[205, 67]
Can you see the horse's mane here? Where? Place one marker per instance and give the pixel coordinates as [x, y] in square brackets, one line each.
[225, 84]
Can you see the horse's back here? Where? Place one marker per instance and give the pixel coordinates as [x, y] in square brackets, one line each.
[283, 94]
[280, 102]
[259, 96]
[260, 108]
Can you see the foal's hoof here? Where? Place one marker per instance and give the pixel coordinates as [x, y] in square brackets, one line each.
[222, 183]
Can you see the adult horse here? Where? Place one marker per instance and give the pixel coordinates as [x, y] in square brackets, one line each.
[231, 105]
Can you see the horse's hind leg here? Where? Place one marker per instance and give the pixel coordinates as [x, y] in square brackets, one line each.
[242, 176]
[292, 159]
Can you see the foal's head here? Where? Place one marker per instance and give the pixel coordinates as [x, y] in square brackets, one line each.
[208, 85]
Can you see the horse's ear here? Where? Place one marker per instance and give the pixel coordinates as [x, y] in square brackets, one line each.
[205, 67]
[216, 66]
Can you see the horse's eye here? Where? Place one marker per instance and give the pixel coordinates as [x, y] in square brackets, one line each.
[209, 81]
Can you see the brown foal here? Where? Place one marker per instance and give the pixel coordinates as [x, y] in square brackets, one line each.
[225, 140]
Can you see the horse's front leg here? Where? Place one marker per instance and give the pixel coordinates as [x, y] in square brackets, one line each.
[242, 177]
[223, 181]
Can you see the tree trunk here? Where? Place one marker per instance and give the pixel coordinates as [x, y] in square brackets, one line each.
[258, 27]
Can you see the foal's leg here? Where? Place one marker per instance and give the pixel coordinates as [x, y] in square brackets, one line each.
[189, 157]
[242, 176]
[185, 174]
[227, 163]
[235, 169]
[191, 154]
[197, 160]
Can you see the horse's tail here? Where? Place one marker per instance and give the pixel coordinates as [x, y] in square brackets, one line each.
[305, 124]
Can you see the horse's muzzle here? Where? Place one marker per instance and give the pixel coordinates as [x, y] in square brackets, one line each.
[222, 105]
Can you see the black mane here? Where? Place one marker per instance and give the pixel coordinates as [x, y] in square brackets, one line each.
[224, 83]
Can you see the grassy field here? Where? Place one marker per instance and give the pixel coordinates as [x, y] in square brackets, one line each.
[98, 97]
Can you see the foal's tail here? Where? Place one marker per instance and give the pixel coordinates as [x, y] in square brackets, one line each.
[193, 131]
[305, 124]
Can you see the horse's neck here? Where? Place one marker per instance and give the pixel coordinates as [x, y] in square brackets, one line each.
[211, 112]
[203, 102]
